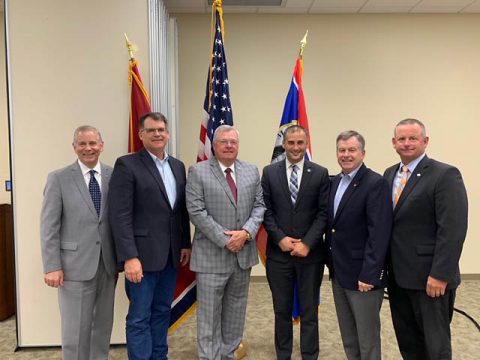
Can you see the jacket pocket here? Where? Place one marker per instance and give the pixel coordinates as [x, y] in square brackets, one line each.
[68, 245]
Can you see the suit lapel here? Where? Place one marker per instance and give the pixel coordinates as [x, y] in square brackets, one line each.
[153, 170]
[306, 176]
[352, 187]
[217, 172]
[79, 180]
[413, 180]
[282, 178]
[333, 191]
[105, 181]
[177, 175]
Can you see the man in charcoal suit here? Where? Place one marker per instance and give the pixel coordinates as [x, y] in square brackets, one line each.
[429, 228]
[77, 249]
[224, 200]
[359, 226]
[152, 235]
[296, 196]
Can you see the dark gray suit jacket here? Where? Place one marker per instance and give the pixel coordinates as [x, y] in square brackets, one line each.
[429, 225]
[307, 220]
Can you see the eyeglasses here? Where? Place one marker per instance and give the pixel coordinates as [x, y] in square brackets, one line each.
[224, 142]
[151, 131]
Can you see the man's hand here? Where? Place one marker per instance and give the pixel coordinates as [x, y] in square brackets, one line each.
[435, 287]
[286, 244]
[237, 240]
[364, 287]
[54, 278]
[185, 256]
[133, 270]
[300, 249]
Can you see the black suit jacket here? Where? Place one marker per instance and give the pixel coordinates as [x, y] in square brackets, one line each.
[143, 223]
[359, 234]
[307, 220]
[429, 225]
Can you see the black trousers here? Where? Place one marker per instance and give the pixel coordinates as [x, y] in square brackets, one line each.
[281, 279]
[421, 323]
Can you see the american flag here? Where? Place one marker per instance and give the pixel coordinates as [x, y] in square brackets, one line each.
[217, 107]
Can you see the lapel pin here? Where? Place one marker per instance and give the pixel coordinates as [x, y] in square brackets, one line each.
[354, 185]
[309, 170]
[418, 175]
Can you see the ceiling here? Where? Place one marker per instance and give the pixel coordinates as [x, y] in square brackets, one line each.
[328, 6]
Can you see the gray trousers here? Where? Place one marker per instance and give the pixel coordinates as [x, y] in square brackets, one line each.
[221, 308]
[358, 316]
[86, 308]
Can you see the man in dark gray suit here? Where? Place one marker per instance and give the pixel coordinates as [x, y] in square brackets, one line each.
[296, 197]
[359, 225]
[224, 200]
[152, 235]
[77, 249]
[429, 228]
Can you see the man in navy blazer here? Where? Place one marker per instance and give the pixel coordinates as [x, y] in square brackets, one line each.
[151, 231]
[295, 223]
[359, 225]
[430, 220]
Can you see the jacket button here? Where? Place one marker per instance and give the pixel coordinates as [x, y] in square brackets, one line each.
[333, 231]
[98, 242]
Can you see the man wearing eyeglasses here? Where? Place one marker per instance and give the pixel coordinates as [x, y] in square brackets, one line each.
[225, 203]
[151, 231]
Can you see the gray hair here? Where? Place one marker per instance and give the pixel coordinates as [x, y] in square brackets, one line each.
[411, 122]
[223, 129]
[85, 128]
[345, 135]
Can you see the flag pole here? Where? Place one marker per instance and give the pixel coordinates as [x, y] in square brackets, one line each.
[303, 43]
[129, 47]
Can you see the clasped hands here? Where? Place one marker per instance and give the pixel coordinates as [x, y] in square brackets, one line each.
[237, 240]
[294, 246]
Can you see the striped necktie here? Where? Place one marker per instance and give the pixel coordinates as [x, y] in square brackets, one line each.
[401, 185]
[294, 184]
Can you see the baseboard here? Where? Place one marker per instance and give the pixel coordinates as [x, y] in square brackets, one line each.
[263, 279]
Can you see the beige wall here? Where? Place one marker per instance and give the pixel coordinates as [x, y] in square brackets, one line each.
[69, 66]
[362, 72]
[5, 197]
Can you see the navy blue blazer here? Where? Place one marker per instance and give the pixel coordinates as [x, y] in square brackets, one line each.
[359, 234]
[143, 223]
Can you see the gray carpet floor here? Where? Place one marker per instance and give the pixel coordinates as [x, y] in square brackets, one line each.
[258, 335]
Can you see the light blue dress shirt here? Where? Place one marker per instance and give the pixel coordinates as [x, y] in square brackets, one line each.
[342, 187]
[398, 175]
[167, 176]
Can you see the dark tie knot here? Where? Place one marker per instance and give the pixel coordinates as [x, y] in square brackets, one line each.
[228, 170]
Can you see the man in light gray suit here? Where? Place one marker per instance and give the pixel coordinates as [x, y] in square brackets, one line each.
[225, 203]
[77, 249]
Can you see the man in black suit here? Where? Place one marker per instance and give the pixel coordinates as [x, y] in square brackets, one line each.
[359, 225]
[295, 192]
[429, 228]
[151, 231]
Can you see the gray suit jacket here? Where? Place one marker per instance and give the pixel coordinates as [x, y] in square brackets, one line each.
[213, 210]
[72, 235]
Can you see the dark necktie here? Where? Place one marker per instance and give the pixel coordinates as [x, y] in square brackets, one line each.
[95, 192]
[231, 183]
[294, 184]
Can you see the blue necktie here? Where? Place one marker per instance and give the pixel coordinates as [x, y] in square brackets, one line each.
[95, 192]
[294, 184]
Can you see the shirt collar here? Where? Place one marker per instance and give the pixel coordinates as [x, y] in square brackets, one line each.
[156, 158]
[412, 164]
[352, 174]
[85, 169]
[299, 164]
[223, 167]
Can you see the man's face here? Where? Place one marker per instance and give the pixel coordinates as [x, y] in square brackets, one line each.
[409, 142]
[226, 147]
[349, 154]
[88, 148]
[295, 145]
[154, 136]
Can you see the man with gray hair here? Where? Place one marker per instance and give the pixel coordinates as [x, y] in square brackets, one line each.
[225, 203]
[77, 248]
[359, 225]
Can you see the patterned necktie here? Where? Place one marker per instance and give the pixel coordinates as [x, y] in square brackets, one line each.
[294, 184]
[401, 185]
[231, 183]
[95, 192]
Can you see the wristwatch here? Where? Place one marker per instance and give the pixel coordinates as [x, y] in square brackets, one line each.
[249, 237]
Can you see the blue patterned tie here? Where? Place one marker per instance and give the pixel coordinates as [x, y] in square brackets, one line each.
[294, 184]
[95, 192]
